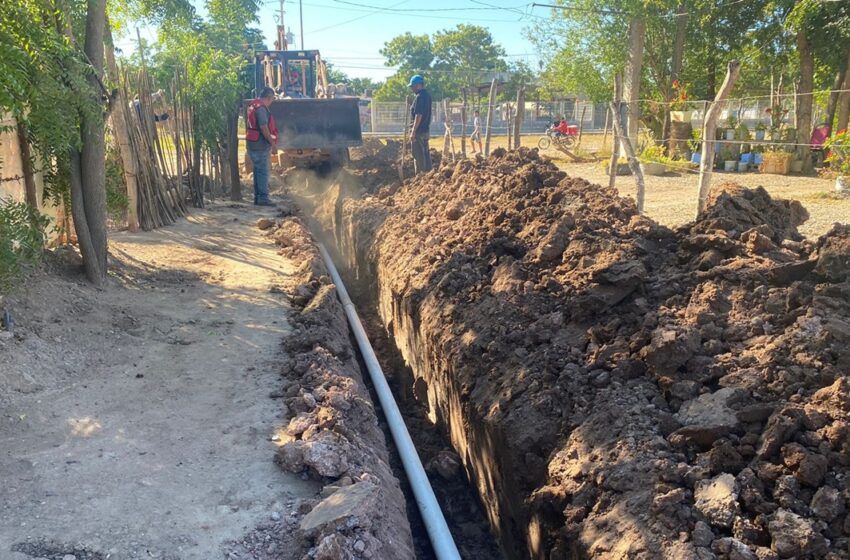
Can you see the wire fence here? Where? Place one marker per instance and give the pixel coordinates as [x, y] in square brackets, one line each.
[755, 113]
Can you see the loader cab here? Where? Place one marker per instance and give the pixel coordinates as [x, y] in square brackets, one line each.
[292, 74]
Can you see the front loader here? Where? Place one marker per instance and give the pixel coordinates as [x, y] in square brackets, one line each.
[315, 126]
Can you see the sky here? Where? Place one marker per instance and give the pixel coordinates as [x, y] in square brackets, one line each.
[351, 33]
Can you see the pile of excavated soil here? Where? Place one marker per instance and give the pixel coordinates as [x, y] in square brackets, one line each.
[615, 388]
[375, 162]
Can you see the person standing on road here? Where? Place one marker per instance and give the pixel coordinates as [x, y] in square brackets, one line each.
[261, 137]
[420, 114]
[476, 131]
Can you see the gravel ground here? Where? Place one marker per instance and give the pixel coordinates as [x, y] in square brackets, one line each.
[671, 199]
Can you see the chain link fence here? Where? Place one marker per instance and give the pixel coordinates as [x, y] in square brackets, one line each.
[388, 117]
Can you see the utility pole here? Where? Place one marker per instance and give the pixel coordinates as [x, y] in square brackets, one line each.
[281, 30]
[301, 17]
[142, 45]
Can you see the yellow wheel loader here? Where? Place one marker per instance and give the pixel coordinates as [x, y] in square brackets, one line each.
[315, 125]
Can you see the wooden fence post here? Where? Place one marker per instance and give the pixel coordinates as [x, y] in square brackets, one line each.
[580, 126]
[520, 116]
[634, 165]
[510, 115]
[615, 149]
[463, 123]
[490, 108]
[605, 130]
[448, 139]
[405, 136]
[709, 131]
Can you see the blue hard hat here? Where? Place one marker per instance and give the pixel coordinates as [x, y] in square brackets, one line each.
[416, 79]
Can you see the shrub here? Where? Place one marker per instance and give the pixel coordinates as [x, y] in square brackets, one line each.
[839, 152]
[22, 239]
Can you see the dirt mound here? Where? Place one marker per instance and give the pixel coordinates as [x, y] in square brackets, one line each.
[375, 163]
[733, 209]
[616, 388]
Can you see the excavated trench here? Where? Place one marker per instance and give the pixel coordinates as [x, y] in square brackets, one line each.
[611, 388]
[320, 198]
[483, 507]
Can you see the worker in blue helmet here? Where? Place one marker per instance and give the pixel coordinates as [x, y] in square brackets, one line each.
[420, 115]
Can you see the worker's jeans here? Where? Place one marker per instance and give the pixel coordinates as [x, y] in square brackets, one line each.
[421, 153]
[262, 168]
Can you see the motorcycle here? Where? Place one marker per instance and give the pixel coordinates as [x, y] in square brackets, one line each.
[564, 141]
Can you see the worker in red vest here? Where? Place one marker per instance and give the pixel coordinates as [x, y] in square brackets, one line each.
[261, 137]
[563, 128]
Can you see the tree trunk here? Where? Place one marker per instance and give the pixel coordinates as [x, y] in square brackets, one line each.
[832, 103]
[26, 165]
[844, 100]
[233, 156]
[711, 68]
[708, 134]
[122, 135]
[675, 66]
[88, 167]
[93, 154]
[91, 260]
[805, 101]
[634, 63]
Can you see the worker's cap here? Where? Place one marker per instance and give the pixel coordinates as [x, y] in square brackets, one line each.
[416, 79]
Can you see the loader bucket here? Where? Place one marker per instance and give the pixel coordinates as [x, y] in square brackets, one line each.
[324, 124]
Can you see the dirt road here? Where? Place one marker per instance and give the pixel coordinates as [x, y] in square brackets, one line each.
[135, 422]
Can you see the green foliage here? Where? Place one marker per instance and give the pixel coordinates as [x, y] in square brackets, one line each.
[216, 55]
[335, 75]
[585, 46]
[654, 152]
[116, 190]
[839, 152]
[44, 83]
[450, 60]
[22, 239]
[695, 143]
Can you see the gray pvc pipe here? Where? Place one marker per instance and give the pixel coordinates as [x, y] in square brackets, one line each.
[432, 515]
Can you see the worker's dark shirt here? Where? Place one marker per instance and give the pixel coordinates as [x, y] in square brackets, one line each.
[262, 115]
[421, 106]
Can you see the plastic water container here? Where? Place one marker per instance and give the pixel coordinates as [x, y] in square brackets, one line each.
[758, 159]
[696, 157]
[747, 158]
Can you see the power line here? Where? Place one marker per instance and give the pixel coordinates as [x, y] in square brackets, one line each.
[405, 10]
[391, 13]
[358, 18]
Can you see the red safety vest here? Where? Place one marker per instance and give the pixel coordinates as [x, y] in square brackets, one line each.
[252, 134]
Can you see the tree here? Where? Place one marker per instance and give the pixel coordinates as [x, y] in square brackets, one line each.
[451, 60]
[88, 165]
[409, 52]
[53, 88]
[468, 56]
[217, 54]
[819, 27]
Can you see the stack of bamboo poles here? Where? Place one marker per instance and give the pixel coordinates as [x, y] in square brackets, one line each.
[159, 200]
[187, 150]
